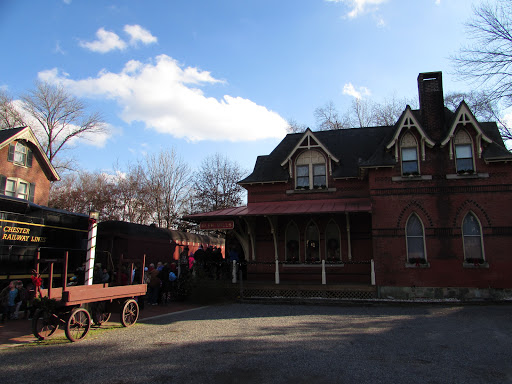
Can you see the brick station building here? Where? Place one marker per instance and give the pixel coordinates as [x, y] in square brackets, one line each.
[421, 208]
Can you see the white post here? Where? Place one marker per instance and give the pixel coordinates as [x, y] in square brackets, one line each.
[324, 280]
[91, 247]
[349, 244]
[373, 272]
[234, 272]
[277, 271]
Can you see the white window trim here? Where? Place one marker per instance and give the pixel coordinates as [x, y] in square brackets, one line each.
[426, 264]
[481, 237]
[17, 182]
[311, 164]
[332, 222]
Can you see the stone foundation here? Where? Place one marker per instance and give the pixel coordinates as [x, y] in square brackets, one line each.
[454, 293]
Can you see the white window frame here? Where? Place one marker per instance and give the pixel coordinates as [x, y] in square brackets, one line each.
[409, 143]
[480, 236]
[463, 139]
[310, 159]
[20, 154]
[15, 191]
[408, 236]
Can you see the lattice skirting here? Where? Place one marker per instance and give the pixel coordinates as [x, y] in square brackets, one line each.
[307, 294]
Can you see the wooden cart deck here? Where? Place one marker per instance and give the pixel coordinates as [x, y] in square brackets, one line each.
[82, 294]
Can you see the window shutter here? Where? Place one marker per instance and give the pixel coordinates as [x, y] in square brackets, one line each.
[31, 192]
[3, 180]
[10, 156]
[30, 156]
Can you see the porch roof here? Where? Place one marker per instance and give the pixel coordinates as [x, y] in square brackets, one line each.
[297, 207]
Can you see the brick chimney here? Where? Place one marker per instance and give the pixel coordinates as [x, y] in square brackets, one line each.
[430, 90]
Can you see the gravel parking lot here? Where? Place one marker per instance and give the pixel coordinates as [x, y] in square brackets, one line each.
[256, 343]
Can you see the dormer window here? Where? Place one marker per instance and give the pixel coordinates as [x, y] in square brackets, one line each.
[311, 170]
[409, 151]
[464, 152]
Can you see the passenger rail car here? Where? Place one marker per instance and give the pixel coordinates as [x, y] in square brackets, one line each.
[123, 241]
[27, 228]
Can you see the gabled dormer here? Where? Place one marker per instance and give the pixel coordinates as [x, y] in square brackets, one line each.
[309, 162]
[464, 126]
[408, 143]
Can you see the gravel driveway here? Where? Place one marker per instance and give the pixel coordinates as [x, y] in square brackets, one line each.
[256, 343]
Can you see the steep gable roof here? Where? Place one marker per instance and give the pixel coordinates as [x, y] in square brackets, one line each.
[7, 136]
[351, 148]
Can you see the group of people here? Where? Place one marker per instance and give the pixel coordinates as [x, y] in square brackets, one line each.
[13, 299]
[210, 261]
[160, 279]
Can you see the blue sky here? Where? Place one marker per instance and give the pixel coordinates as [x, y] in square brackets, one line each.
[222, 76]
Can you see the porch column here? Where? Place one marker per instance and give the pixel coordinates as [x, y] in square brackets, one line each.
[349, 245]
[250, 231]
[273, 228]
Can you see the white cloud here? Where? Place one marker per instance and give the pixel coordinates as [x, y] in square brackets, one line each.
[438, 2]
[167, 98]
[107, 41]
[349, 89]
[137, 33]
[359, 7]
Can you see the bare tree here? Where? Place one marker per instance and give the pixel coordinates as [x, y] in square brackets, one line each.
[327, 118]
[83, 191]
[484, 108]
[215, 184]
[488, 60]
[167, 179]
[295, 127]
[61, 117]
[9, 115]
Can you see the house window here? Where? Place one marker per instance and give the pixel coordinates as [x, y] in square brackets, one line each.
[415, 240]
[20, 154]
[292, 243]
[332, 242]
[312, 243]
[409, 150]
[311, 170]
[464, 152]
[472, 238]
[15, 187]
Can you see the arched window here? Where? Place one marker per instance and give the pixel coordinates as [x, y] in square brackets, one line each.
[415, 240]
[409, 149]
[311, 170]
[332, 242]
[472, 238]
[312, 243]
[292, 238]
[464, 152]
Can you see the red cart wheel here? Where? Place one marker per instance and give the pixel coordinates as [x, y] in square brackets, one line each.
[44, 324]
[78, 324]
[129, 312]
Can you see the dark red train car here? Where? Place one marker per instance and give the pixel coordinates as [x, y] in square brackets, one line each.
[121, 242]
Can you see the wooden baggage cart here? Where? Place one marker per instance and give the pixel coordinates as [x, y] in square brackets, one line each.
[77, 307]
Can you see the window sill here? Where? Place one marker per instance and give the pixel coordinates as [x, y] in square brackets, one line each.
[409, 265]
[456, 176]
[412, 178]
[484, 265]
[302, 191]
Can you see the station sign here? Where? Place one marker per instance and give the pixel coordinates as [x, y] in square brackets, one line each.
[207, 225]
